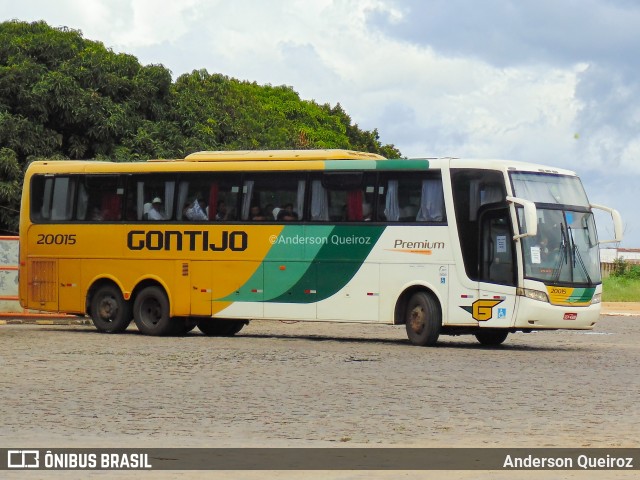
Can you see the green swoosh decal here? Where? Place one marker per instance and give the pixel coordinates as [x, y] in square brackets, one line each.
[335, 264]
[309, 263]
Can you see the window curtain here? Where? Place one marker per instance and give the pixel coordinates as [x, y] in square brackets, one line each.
[169, 194]
[319, 202]
[300, 199]
[549, 189]
[392, 204]
[354, 205]
[213, 201]
[142, 209]
[431, 202]
[246, 201]
[46, 203]
[83, 203]
[183, 191]
[111, 206]
[490, 194]
[540, 191]
[481, 194]
[63, 194]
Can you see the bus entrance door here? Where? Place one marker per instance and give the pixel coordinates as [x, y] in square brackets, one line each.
[497, 275]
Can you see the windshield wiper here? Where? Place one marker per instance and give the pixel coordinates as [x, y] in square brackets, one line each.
[577, 256]
[562, 258]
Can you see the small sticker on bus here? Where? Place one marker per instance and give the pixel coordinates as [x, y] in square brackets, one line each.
[535, 255]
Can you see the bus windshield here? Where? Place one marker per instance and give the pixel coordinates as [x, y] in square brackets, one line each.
[565, 250]
[549, 188]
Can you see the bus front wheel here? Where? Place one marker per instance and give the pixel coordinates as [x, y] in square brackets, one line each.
[109, 311]
[151, 312]
[423, 319]
[491, 337]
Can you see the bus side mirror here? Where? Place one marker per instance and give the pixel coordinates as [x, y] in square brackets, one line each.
[617, 222]
[530, 217]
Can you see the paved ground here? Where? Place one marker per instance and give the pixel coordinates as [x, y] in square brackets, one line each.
[621, 308]
[302, 384]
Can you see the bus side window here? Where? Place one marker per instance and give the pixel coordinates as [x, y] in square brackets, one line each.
[264, 195]
[343, 197]
[411, 197]
[216, 195]
[143, 190]
[41, 188]
[100, 198]
[53, 198]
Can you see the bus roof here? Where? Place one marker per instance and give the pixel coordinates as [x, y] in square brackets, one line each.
[280, 155]
[287, 160]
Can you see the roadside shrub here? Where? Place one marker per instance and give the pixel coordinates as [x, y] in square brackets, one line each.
[633, 271]
[619, 267]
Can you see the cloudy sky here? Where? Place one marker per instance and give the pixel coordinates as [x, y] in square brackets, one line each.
[549, 81]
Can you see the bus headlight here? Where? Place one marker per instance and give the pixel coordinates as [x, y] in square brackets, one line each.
[597, 298]
[533, 294]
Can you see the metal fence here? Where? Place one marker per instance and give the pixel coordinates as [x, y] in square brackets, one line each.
[608, 268]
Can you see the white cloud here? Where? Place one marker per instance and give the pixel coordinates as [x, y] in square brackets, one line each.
[154, 22]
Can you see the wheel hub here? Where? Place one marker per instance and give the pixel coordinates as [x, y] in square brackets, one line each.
[417, 319]
[108, 308]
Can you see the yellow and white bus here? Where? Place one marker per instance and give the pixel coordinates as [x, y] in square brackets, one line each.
[442, 246]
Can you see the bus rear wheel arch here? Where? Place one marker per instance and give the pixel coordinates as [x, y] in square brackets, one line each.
[422, 316]
[110, 312]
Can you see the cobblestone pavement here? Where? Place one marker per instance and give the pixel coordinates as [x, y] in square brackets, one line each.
[304, 384]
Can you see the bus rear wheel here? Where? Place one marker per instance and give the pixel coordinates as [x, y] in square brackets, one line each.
[491, 337]
[221, 328]
[151, 312]
[423, 319]
[109, 311]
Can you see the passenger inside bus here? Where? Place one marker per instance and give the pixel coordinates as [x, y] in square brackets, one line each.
[96, 214]
[286, 213]
[221, 212]
[256, 214]
[156, 212]
[196, 211]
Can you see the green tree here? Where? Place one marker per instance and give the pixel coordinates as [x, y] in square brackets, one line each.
[62, 96]
[10, 182]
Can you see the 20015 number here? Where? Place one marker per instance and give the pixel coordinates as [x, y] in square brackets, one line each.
[59, 239]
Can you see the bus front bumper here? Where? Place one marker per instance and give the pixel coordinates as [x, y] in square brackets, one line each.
[534, 315]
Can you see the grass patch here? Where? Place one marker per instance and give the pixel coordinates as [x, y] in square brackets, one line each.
[620, 289]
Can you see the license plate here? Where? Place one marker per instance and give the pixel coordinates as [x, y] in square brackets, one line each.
[570, 316]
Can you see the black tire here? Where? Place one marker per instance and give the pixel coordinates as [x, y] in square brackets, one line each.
[491, 336]
[189, 324]
[423, 319]
[151, 313]
[235, 326]
[109, 310]
[181, 326]
[221, 328]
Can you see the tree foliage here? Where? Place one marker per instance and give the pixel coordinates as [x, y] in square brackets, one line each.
[62, 96]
